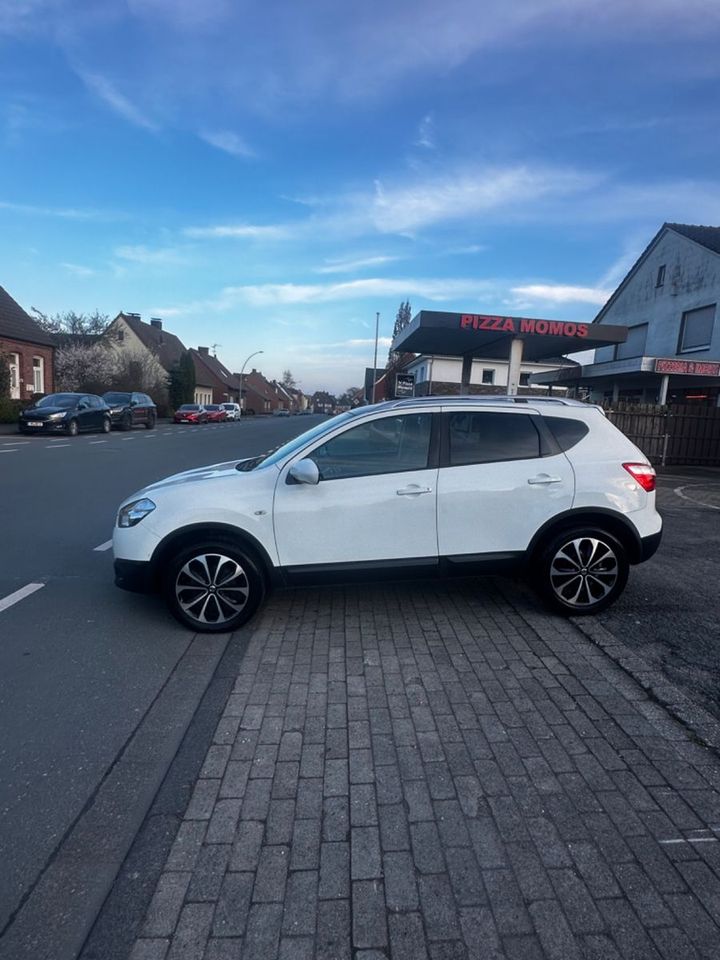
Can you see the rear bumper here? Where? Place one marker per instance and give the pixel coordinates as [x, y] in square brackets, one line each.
[134, 575]
[649, 545]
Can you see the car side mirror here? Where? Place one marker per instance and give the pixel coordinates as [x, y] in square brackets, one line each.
[304, 471]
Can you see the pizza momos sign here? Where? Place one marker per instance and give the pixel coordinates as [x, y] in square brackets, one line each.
[522, 325]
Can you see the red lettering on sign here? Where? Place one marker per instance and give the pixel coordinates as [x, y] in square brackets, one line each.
[527, 326]
[509, 325]
[466, 321]
[582, 330]
[556, 328]
[569, 329]
[541, 326]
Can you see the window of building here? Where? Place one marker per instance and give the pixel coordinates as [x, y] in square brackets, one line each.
[14, 376]
[38, 375]
[492, 437]
[121, 335]
[634, 346]
[660, 281]
[696, 329]
[488, 376]
[524, 379]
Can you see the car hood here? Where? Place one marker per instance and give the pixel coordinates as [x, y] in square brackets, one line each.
[212, 472]
[39, 413]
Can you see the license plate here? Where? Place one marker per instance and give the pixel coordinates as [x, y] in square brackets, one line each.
[34, 423]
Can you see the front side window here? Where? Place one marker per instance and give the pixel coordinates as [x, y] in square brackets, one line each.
[385, 445]
[696, 329]
[491, 437]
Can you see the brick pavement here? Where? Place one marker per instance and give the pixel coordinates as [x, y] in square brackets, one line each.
[440, 771]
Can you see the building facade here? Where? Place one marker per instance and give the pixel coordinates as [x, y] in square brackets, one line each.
[29, 350]
[443, 375]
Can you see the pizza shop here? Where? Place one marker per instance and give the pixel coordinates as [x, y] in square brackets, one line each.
[472, 336]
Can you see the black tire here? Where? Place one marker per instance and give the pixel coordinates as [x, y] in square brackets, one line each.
[126, 422]
[240, 579]
[72, 428]
[581, 571]
[150, 422]
[106, 426]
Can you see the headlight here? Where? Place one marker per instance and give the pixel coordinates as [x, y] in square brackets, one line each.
[58, 416]
[134, 512]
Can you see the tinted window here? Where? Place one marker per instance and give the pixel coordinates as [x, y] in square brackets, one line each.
[116, 398]
[490, 437]
[567, 432]
[386, 445]
[697, 328]
[96, 403]
[190, 406]
[64, 400]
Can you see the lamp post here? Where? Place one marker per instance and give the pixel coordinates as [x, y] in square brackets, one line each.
[377, 327]
[242, 370]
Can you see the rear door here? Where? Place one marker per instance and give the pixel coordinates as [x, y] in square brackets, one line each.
[500, 480]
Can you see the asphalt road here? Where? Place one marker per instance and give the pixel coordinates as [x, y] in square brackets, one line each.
[81, 662]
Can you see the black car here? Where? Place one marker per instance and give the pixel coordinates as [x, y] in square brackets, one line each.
[69, 413]
[128, 410]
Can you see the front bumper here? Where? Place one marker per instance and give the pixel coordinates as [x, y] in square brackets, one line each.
[48, 426]
[134, 575]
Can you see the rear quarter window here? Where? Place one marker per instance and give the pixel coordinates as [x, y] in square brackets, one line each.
[567, 431]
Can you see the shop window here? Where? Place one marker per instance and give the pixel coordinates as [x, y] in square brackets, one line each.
[660, 281]
[696, 329]
[488, 377]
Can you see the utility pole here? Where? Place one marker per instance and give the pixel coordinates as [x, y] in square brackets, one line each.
[377, 327]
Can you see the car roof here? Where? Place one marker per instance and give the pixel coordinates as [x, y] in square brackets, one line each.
[494, 400]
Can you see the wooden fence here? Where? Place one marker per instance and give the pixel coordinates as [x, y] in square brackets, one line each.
[671, 435]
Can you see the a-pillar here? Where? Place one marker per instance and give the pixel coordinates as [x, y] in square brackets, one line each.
[516, 355]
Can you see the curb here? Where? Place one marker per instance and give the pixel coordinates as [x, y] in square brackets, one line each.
[703, 726]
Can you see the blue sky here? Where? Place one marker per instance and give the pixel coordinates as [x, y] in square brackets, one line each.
[269, 175]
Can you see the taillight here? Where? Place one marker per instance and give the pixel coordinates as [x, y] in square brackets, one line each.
[643, 473]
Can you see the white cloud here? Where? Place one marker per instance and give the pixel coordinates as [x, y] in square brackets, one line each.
[561, 293]
[426, 133]
[163, 256]
[64, 213]
[348, 266]
[247, 231]
[228, 142]
[77, 270]
[368, 342]
[104, 89]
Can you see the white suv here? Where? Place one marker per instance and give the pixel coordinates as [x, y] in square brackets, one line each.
[426, 486]
[232, 410]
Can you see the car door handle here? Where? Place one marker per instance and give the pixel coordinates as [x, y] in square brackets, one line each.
[544, 478]
[413, 490]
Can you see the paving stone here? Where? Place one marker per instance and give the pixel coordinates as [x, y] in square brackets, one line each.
[394, 829]
[150, 949]
[233, 906]
[365, 857]
[271, 874]
[165, 906]
[407, 938]
[263, 932]
[369, 924]
[207, 877]
[334, 871]
[192, 932]
[400, 886]
[426, 847]
[333, 930]
[301, 903]
[246, 849]
[305, 852]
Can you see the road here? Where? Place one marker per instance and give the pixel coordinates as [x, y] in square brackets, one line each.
[81, 662]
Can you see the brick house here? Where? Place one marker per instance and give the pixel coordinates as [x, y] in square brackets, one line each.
[259, 395]
[30, 349]
[128, 332]
[213, 382]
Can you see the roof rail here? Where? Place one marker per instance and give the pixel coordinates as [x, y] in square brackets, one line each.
[485, 399]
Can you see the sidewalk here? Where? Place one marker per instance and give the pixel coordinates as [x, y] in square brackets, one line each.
[431, 771]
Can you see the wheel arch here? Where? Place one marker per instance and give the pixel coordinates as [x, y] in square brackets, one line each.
[615, 523]
[192, 533]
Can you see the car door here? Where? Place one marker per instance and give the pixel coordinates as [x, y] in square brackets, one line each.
[375, 500]
[501, 479]
[85, 414]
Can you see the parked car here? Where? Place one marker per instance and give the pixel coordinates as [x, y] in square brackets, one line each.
[426, 486]
[69, 413]
[216, 413]
[232, 410]
[281, 412]
[191, 413]
[128, 410]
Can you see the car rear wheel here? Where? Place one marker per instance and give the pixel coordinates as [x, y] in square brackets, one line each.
[72, 428]
[582, 571]
[213, 586]
[150, 423]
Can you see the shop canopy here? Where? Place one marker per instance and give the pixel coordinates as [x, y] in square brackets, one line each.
[470, 335]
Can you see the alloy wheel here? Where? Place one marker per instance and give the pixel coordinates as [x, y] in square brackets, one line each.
[583, 571]
[212, 588]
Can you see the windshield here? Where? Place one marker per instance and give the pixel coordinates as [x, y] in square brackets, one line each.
[279, 453]
[64, 400]
[190, 406]
[116, 397]
[212, 406]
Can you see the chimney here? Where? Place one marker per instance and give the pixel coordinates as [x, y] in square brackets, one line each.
[155, 322]
[204, 350]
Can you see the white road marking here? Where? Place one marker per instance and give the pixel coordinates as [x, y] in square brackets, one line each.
[19, 595]
[127, 438]
[700, 503]
[53, 446]
[8, 451]
[103, 546]
[693, 840]
[97, 441]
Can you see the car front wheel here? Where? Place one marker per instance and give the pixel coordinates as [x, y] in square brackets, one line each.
[72, 428]
[582, 571]
[213, 587]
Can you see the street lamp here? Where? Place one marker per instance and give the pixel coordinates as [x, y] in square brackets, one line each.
[242, 370]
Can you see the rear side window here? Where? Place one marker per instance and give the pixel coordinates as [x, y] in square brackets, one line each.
[491, 437]
[566, 431]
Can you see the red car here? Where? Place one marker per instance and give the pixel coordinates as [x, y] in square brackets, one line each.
[216, 413]
[191, 413]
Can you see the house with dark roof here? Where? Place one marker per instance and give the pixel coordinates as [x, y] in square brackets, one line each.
[669, 302]
[30, 350]
[258, 394]
[213, 381]
[129, 332]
